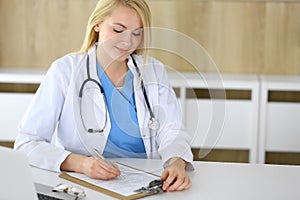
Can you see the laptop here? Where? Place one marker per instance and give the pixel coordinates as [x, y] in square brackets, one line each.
[16, 181]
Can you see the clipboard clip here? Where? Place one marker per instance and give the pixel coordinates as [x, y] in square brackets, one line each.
[154, 186]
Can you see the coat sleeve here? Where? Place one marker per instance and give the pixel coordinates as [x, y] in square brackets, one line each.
[172, 138]
[40, 121]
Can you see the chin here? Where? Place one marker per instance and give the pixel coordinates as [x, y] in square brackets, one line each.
[121, 58]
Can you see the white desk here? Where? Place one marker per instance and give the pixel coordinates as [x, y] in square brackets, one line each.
[213, 181]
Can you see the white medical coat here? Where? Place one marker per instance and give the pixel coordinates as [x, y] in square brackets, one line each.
[52, 128]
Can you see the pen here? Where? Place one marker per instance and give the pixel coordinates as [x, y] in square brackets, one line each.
[102, 157]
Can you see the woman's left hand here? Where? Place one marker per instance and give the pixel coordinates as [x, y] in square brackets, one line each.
[175, 177]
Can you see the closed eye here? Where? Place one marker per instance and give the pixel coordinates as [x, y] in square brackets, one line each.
[137, 32]
[117, 30]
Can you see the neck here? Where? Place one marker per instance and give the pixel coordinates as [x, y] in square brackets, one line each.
[115, 70]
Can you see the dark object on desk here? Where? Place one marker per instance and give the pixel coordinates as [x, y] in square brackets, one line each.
[46, 192]
[154, 186]
[46, 197]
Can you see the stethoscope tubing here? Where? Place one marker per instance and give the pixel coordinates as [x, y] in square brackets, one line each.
[153, 123]
[143, 88]
[90, 130]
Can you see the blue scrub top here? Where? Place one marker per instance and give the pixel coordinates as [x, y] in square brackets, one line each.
[124, 139]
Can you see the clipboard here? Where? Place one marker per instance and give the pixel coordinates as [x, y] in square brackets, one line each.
[87, 182]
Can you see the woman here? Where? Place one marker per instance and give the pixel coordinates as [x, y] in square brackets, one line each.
[110, 98]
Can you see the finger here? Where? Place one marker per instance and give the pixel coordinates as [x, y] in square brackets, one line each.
[115, 165]
[113, 168]
[100, 173]
[169, 181]
[105, 175]
[109, 166]
[188, 185]
[165, 175]
[175, 186]
[185, 184]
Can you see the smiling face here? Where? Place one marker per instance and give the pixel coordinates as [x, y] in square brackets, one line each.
[120, 33]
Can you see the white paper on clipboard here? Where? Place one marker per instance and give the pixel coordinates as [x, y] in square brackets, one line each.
[129, 180]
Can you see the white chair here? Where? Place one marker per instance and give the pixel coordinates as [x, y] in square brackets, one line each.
[14, 104]
[279, 117]
[215, 122]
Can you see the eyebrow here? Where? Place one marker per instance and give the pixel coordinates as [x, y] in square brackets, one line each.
[119, 24]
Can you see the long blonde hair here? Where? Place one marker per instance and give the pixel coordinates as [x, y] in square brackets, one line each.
[104, 9]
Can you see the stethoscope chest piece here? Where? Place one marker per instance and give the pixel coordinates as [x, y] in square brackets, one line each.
[153, 124]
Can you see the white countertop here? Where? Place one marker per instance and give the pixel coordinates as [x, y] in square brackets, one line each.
[28, 76]
[213, 181]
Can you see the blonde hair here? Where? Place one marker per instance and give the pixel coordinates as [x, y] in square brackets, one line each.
[104, 9]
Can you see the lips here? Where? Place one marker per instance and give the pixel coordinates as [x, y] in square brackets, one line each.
[123, 50]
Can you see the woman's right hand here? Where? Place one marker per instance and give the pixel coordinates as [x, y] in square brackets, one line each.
[95, 168]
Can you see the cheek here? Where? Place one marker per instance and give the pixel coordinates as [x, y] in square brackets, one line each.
[106, 36]
[137, 41]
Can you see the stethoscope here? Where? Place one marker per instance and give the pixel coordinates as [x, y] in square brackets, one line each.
[153, 123]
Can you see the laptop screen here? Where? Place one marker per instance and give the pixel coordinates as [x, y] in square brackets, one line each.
[16, 181]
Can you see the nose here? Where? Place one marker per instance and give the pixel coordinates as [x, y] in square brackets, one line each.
[126, 39]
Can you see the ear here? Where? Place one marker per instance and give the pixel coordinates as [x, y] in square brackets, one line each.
[97, 28]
